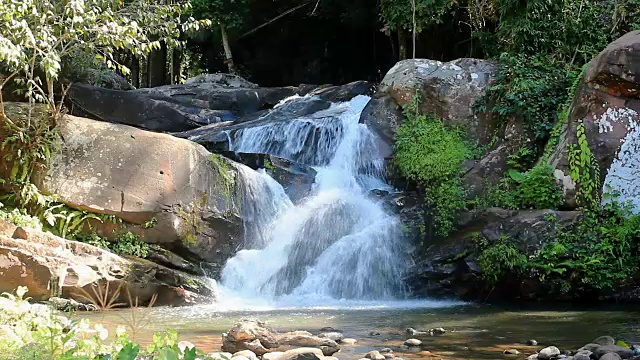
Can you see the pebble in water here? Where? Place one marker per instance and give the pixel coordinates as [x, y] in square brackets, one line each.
[374, 355]
[511, 352]
[373, 333]
[532, 342]
[413, 342]
[348, 341]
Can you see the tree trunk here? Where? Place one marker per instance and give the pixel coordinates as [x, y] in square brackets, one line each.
[135, 71]
[158, 66]
[402, 44]
[176, 66]
[227, 50]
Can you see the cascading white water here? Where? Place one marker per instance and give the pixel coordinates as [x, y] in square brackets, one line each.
[337, 243]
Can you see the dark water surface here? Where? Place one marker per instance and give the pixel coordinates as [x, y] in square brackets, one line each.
[474, 331]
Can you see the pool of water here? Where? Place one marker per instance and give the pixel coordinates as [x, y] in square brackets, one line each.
[473, 331]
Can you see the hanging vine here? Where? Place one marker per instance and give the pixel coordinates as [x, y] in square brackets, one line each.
[584, 170]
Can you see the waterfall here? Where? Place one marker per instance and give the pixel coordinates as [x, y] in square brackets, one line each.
[337, 243]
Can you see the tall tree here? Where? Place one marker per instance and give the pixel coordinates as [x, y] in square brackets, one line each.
[228, 15]
[403, 16]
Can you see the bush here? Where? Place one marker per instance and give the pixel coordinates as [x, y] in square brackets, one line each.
[537, 188]
[431, 154]
[124, 243]
[599, 254]
[35, 331]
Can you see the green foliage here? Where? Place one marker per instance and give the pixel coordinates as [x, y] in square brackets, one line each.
[599, 254]
[448, 199]
[537, 188]
[38, 332]
[431, 154]
[230, 13]
[533, 189]
[584, 170]
[124, 243]
[501, 258]
[398, 14]
[531, 88]
[540, 45]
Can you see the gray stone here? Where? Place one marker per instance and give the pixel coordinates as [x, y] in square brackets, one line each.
[335, 336]
[448, 90]
[604, 341]
[306, 339]
[302, 354]
[272, 355]
[624, 353]
[532, 342]
[582, 355]
[374, 333]
[610, 356]
[348, 341]
[240, 357]
[590, 347]
[437, 331]
[548, 353]
[386, 350]
[413, 342]
[511, 352]
[533, 357]
[374, 355]
[247, 354]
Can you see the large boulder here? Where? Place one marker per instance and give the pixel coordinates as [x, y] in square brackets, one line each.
[448, 90]
[142, 177]
[448, 267]
[607, 102]
[240, 101]
[52, 266]
[157, 113]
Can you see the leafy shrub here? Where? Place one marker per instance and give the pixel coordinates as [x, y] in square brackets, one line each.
[599, 254]
[537, 188]
[431, 154]
[38, 332]
[531, 88]
[497, 260]
[124, 243]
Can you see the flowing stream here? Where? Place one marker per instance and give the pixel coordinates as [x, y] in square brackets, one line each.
[336, 244]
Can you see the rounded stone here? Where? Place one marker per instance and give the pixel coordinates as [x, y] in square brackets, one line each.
[548, 353]
[413, 342]
[374, 355]
[532, 342]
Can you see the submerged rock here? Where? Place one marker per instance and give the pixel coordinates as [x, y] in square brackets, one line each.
[335, 336]
[532, 342]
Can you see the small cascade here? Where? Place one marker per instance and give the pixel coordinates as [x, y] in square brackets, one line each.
[336, 244]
